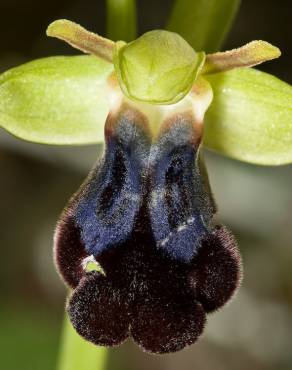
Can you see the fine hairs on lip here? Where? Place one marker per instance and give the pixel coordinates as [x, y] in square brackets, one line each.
[148, 223]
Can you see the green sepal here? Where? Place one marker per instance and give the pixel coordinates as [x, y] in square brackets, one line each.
[159, 67]
[250, 118]
[56, 100]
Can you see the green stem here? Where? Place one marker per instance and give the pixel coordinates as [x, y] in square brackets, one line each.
[121, 20]
[203, 23]
[77, 354]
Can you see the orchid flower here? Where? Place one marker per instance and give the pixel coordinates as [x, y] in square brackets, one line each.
[138, 244]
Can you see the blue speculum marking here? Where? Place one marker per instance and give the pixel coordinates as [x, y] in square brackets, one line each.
[106, 213]
[115, 190]
[176, 219]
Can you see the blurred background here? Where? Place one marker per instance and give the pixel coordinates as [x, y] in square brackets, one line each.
[255, 330]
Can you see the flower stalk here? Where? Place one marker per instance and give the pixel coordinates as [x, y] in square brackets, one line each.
[121, 19]
[75, 353]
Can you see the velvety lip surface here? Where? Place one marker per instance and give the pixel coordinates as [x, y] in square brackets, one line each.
[145, 213]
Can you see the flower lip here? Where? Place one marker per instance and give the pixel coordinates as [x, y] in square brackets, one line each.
[148, 224]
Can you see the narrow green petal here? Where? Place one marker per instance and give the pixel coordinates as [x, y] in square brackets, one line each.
[251, 54]
[121, 20]
[56, 100]
[203, 23]
[81, 39]
[250, 118]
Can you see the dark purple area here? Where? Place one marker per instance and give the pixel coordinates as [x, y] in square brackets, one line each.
[145, 214]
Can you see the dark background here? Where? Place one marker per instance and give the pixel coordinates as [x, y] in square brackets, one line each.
[255, 331]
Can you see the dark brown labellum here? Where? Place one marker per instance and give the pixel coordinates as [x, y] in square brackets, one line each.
[145, 213]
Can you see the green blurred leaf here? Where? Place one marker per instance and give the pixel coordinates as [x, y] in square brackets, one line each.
[250, 118]
[121, 19]
[203, 23]
[56, 100]
[159, 67]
